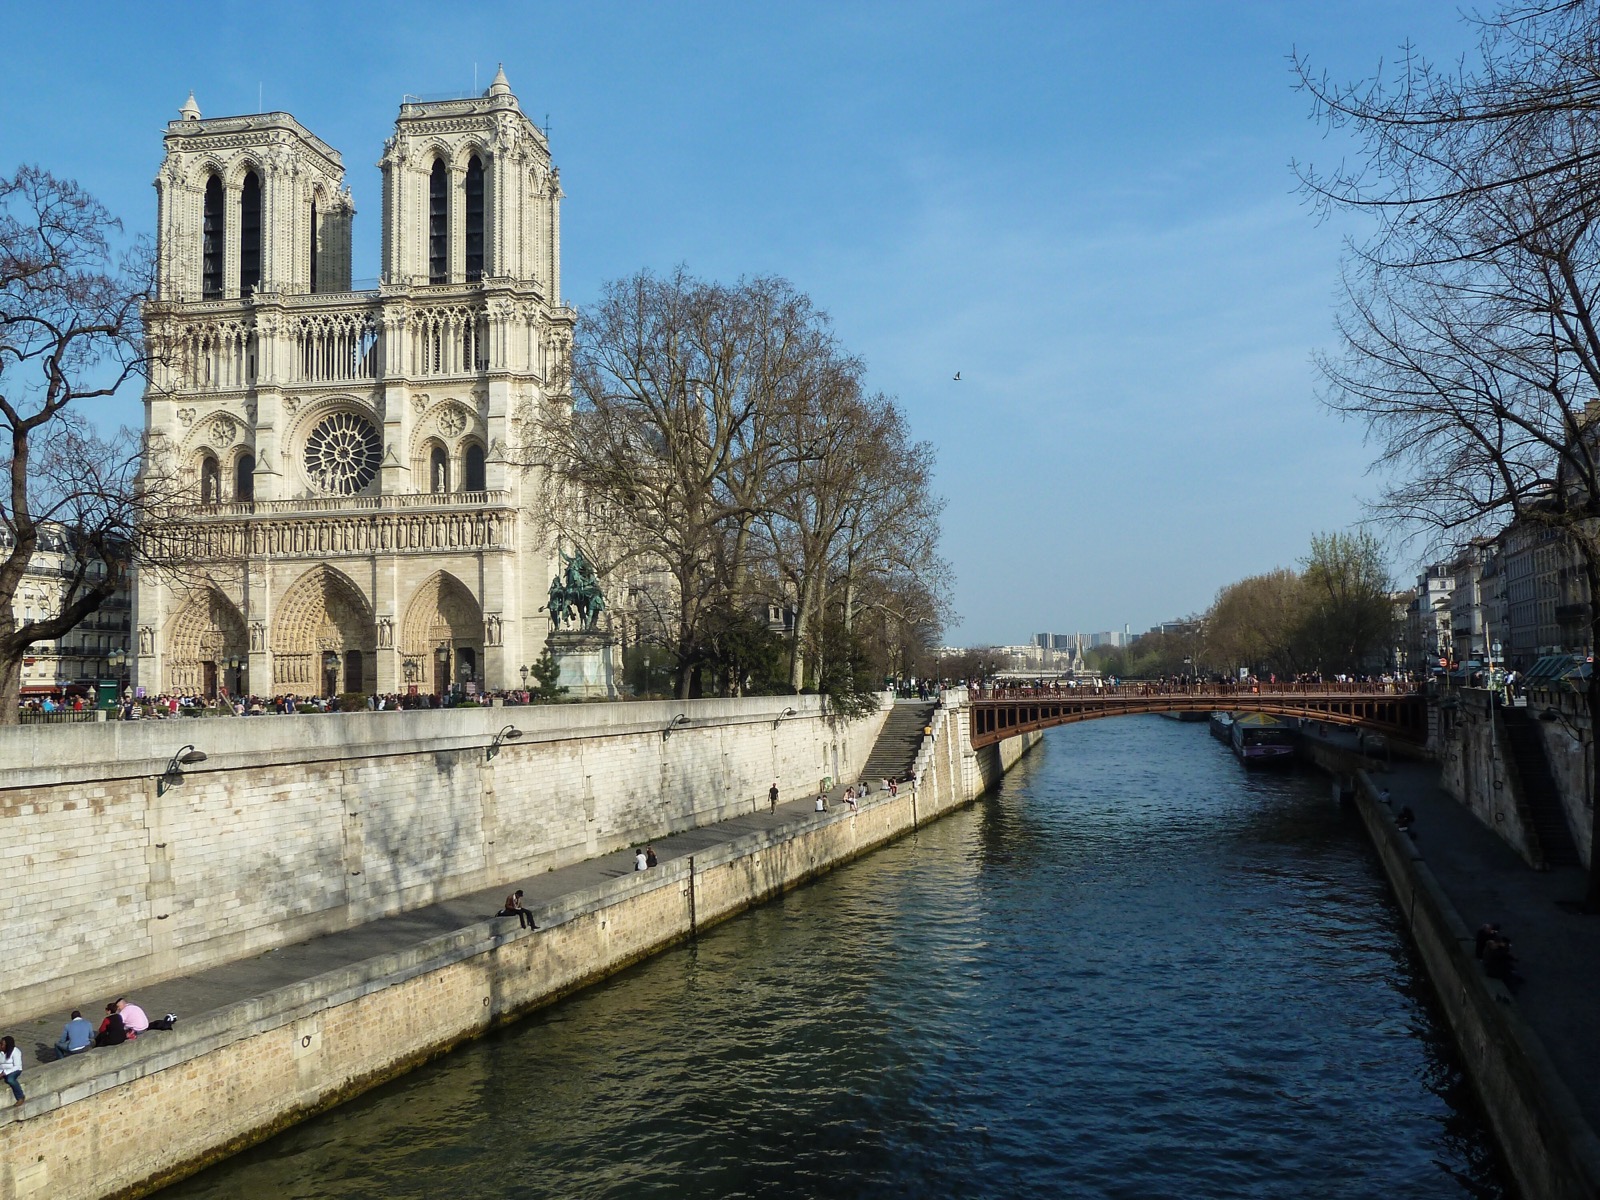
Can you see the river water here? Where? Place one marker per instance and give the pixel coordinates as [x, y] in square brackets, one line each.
[1133, 971]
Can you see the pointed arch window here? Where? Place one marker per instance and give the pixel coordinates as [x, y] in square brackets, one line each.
[250, 234]
[474, 215]
[210, 481]
[472, 473]
[439, 224]
[212, 242]
[244, 478]
[314, 231]
[438, 470]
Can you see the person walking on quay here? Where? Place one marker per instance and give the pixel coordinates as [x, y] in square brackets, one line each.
[772, 795]
[11, 1066]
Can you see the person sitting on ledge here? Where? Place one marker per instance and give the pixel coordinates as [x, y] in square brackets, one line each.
[514, 908]
[1499, 963]
[77, 1035]
[640, 862]
[650, 858]
[112, 1031]
[133, 1018]
[1487, 932]
[1405, 819]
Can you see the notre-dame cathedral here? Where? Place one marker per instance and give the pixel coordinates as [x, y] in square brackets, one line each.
[352, 517]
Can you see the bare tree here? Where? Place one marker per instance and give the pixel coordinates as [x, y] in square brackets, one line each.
[69, 332]
[1471, 334]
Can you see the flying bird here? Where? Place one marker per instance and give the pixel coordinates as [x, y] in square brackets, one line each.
[957, 376]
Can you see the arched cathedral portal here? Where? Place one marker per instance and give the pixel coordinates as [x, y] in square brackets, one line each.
[323, 637]
[441, 641]
[205, 636]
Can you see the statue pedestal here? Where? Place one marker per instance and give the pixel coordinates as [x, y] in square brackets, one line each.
[587, 664]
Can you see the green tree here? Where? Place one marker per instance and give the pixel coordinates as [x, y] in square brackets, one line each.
[1350, 618]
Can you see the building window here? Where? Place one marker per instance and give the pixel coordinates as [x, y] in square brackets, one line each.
[342, 454]
[212, 242]
[474, 263]
[244, 478]
[439, 224]
[250, 234]
[209, 480]
[472, 475]
[313, 245]
[438, 470]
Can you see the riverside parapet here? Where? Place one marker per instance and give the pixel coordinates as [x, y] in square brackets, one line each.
[236, 1075]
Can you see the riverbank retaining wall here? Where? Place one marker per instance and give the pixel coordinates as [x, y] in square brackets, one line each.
[295, 826]
[127, 1120]
[1472, 753]
[1550, 1149]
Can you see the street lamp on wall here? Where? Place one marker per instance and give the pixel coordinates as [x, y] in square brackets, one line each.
[509, 734]
[173, 775]
[788, 712]
[677, 722]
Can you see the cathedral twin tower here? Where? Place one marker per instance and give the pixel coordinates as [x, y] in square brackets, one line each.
[351, 519]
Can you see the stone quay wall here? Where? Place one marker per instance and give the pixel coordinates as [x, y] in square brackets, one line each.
[1551, 1150]
[231, 1078]
[295, 826]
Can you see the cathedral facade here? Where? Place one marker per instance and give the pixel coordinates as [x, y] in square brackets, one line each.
[351, 516]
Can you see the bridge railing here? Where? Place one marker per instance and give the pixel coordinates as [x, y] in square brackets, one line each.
[1159, 689]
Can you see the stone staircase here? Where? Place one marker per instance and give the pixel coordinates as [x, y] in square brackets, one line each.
[1525, 750]
[895, 752]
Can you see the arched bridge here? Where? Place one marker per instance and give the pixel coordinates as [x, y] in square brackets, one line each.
[1394, 710]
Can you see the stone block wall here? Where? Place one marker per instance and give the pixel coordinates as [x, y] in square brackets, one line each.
[1472, 753]
[283, 1056]
[295, 826]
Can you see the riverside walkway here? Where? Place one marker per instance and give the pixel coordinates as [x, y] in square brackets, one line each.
[205, 991]
[1557, 946]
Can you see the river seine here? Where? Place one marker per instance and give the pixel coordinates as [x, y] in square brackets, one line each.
[1133, 971]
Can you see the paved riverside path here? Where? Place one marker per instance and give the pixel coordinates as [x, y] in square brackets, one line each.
[203, 991]
[1557, 947]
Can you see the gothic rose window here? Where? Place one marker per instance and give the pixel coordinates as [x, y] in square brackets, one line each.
[342, 454]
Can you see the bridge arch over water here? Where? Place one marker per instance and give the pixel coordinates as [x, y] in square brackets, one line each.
[1390, 710]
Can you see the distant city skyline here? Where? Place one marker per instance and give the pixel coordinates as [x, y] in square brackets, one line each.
[1084, 210]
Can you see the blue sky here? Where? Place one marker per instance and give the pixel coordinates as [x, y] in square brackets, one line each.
[1086, 209]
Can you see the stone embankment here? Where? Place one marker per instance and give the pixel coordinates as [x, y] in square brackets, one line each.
[1530, 1056]
[126, 1120]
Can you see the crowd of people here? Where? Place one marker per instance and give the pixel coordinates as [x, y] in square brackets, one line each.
[124, 1022]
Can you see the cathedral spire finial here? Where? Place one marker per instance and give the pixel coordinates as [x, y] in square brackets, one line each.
[190, 111]
[501, 86]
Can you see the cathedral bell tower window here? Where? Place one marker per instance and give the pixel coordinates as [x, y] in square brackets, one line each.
[244, 478]
[250, 234]
[439, 224]
[212, 242]
[474, 214]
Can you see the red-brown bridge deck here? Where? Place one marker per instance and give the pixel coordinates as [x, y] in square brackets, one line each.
[1390, 709]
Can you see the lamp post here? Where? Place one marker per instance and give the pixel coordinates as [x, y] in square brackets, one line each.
[409, 669]
[117, 660]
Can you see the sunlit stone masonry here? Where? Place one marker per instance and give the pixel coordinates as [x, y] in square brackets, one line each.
[343, 446]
